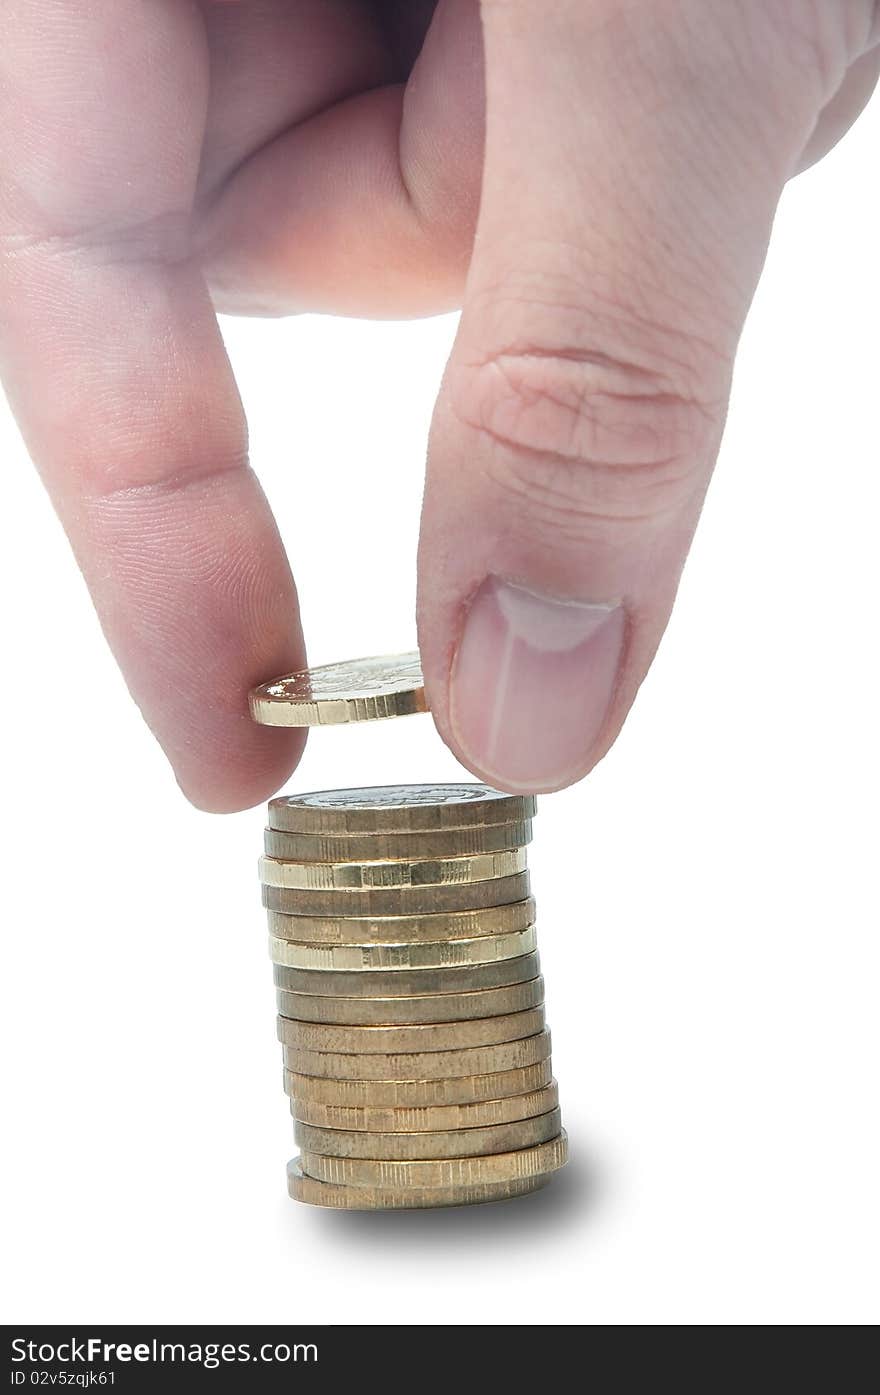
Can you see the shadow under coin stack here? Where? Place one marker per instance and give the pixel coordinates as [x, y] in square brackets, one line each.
[411, 1017]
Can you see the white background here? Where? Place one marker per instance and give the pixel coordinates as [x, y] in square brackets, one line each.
[708, 898]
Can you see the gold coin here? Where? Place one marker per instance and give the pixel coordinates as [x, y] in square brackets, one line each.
[448, 1143]
[409, 847]
[435, 1007]
[422, 1036]
[398, 809]
[398, 900]
[315, 1193]
[420, 1065]
[364, 876]
[444, 953]
[358, 690]
[418, 1094]
[402, 929]
[513, 1166]
[407, 983]
[430, 1117]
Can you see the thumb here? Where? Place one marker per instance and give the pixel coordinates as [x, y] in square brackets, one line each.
[634, 158]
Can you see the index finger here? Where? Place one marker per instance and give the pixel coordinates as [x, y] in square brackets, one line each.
[114, 364]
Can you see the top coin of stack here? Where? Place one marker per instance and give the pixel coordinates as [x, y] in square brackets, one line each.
[410, 1002]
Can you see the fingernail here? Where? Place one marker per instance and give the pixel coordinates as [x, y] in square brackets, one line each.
[531, 683]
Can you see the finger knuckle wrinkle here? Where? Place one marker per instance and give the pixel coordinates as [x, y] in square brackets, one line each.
[163, 239]
[583, 432]
[140, 482]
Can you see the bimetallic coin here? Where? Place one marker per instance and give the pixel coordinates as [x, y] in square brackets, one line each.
[424, 1036]
[513, 1166]
[437, 1007]
[430, 1117]
[405, 983]
[420, 1065]
[448, 1143]
[364, 876]
[402, 929]
[366, 958]
[418, 1094]
[398, 900]
[398, 809]
[409, 847]
[340, 1198]
[358, 690]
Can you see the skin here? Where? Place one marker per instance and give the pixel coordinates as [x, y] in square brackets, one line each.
[164, 159]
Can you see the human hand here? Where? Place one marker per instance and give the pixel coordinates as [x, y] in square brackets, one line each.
[287, 155]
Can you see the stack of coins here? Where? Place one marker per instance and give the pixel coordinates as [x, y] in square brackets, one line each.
[411, 1017]
[411, 1006]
